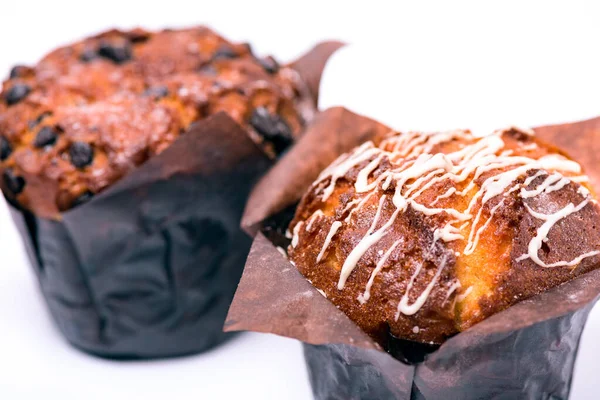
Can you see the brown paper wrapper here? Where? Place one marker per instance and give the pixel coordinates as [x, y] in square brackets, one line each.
[310, 66]
[527, 351]
[148, 267]
[333, 132]
[581, 140]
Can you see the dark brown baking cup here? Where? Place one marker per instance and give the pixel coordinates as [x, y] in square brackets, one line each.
[525, 352]
[148, 267]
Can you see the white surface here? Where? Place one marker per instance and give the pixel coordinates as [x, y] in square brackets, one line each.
[503, 72]
[35, 362]
[457, 81]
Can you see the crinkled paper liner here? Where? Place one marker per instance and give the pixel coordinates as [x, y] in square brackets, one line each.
[148, 267]
[525, 352]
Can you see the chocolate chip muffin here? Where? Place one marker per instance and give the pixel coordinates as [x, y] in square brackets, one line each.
[423, 235]
[89, 113]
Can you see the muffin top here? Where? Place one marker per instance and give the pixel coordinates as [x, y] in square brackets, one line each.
[423, 235]
[89, 113]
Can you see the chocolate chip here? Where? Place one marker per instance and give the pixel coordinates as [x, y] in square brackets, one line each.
[138, 36]
[16, 93]
[40, 118]
[12, 182]
[248, 47]
[18, 71]
[157, 92]
[208, 70]
[224, 52]
[83, 198]
[88, 55]
[5, 148]
[272, 127]
[46, 137]
[116, 53]
[269, 64]
[81, 153]
[518, 134]
[217, 85]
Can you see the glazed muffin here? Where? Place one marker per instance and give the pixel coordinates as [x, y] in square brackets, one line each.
[89, 113]
[420, 236]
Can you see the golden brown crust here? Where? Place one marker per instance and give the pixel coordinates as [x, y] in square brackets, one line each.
[128, 95]
[427, 283]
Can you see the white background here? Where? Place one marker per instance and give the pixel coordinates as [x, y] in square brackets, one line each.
[421, 65]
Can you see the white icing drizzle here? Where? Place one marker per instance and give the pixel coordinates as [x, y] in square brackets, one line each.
[414, 143]
[512, 189]
[552, 182]
[579, 179]
[542, 234]
[448, 233]
[526, 130]
[359, 206]
[415, 185]
[530, 146]
[362, 180]
[415, 170]
[377, 215]
[367, 294]
[295, 236]
[423, 164]
[433, 211]
[455, 285]
[582, 190]
[472, 242]
[350, 205]
[334, 172]
[411, 309]
[361, 248]
[317, 214]
[463, 296]
[558, 185]
[282, 251]
[531, 178]
[448, 193]
[332, 231]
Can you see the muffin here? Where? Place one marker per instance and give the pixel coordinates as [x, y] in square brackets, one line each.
[89, 113]
[423, 235]
[127, 159]
[394, 324]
